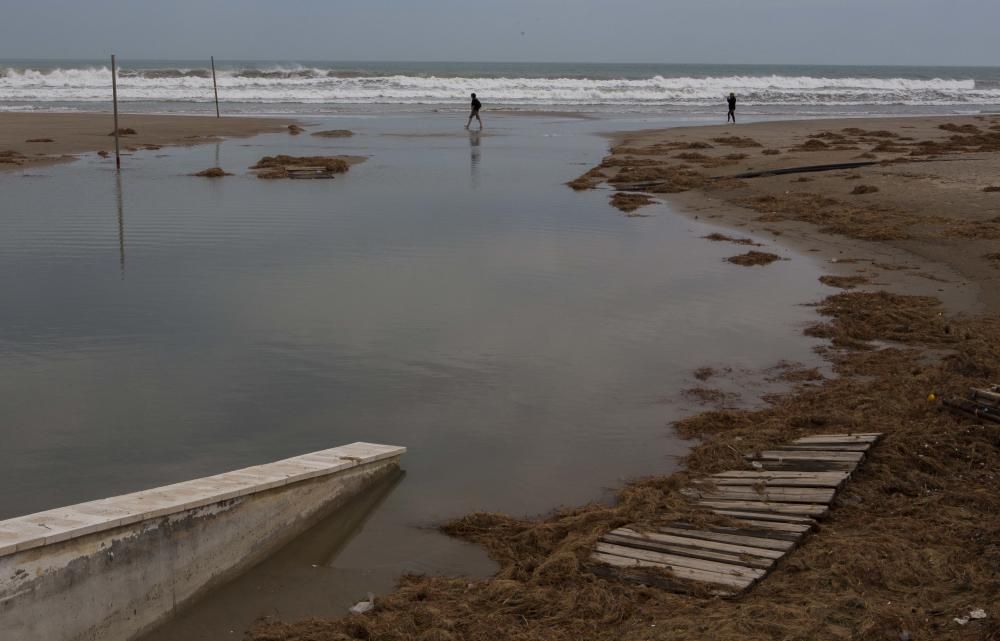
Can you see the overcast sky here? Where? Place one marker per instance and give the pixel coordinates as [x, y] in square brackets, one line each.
[923, 32]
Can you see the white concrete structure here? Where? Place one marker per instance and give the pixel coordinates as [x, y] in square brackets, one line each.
[110, 569]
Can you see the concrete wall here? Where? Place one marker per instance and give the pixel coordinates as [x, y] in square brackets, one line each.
[108, 570]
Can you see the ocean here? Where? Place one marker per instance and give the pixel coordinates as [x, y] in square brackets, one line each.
[309, 87]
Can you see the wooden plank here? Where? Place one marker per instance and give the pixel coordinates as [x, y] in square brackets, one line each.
[806, 455]
[729, 581]
[806, 466]
[797, 509]
[770, 494]
[790, 531]
[735, 539]
[676, 561]
[768, 516]
[677, 540]
[763, 481]
[765, 474]
[829, 447]
[694, 552]
[870, 437]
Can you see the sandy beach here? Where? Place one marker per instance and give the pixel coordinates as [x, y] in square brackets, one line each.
[28, 139]
[912, 243]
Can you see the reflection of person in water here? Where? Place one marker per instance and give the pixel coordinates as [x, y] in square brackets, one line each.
[474, 157]
[732, 108]
[476, 106]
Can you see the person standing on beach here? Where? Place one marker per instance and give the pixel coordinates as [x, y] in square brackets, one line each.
[732, 108]
[476, 106]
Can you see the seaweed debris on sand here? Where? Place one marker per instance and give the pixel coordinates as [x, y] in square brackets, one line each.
[212, 172]
[628, 203]
[754, 258]
[334, 133]
[278, 166]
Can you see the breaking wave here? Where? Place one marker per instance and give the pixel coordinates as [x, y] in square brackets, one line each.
[315, 85]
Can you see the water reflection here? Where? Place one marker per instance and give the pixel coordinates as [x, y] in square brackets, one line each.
[474, 159]
[119, 196]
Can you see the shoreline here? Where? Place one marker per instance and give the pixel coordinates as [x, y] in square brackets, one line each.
[908, 573]
[62, 137]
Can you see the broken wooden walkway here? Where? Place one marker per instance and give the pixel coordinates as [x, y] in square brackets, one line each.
[774, 507]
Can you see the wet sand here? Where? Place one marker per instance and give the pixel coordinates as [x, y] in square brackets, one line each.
[67, 134]
[931, 225]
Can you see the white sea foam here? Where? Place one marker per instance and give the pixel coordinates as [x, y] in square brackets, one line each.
[310, 86]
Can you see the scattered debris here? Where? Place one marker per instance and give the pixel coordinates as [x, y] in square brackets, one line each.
[982, 404]
[771, 152]
[103, 154]
[991, 188]
[124, 131]
[628, 202]
[717, 237]
[295, 130]
[736, 141]
[704, 373]
[334, 133]
[213, 172]
[363, 606]
[843, 282]
[754, 258]
[864, 189]
[39, 140]
[282, 166]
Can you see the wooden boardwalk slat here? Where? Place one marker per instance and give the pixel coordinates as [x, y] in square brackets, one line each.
[797, 509]
[735, 539]
[771, 494]
[806, 455]
[674, 560]
[738, 583]
[829, 447]
[772, 509]
[838, 438]
[694, 552]
[768, 516]
[692, 541]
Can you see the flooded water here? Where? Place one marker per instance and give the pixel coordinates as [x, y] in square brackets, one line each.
[527, 343]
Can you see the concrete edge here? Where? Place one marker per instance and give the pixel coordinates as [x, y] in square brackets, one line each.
[60, 524]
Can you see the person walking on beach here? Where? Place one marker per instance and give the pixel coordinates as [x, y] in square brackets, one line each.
[476, 106]
[732, 108]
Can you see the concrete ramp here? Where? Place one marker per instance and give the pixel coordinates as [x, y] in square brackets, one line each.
[112, 568]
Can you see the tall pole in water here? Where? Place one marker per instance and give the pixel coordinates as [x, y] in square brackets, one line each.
[215, 86]
[114, 95]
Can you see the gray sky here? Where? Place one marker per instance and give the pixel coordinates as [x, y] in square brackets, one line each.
[928, 32]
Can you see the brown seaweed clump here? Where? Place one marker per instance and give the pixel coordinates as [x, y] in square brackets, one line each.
[124, 131]
[334, 133]
[39, 140]
[212, 172]
[771, 152]
[717, 237]
[737, 141]
[813, 144]
[277, 166]
[960, 129]
[843, 282]
[753, 259]
[864, 189]
[629, 202]
[991, 189]
[295, 130]
[589, 180]
[11, 157]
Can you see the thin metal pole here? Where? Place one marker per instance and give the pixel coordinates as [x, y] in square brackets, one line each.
[215, 86]
[114, 94]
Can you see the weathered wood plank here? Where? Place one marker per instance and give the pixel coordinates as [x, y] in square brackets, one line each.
[693, 541]
[779, 474]
[769, 494]
[870, 437]
[694, 552]
[829, 447]
[806, 455]
[768, 516]
[806, 466]
[676, 561]
[832, 482]
[762, 529]
[797, 509]
[735, 539]
[737, 583]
